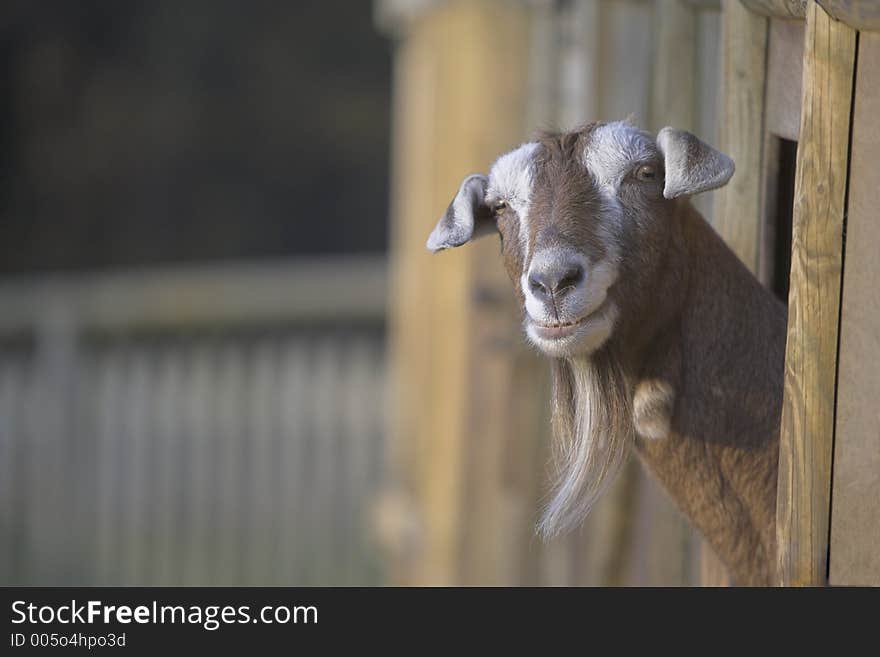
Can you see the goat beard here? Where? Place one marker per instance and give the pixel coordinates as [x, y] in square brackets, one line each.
[592, 434]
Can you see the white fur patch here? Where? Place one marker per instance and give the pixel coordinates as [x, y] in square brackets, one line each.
[579, 303]
[591, 451]
[613, 150]
[512, 178]
[653, 405]
[582, 304]
[600, 329]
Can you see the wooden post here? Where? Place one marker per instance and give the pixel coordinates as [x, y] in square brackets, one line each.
[737, 216]
[744, 56]
[814, 302]
[855, 515]
[675, 98]
[460, 88]
[858, 14]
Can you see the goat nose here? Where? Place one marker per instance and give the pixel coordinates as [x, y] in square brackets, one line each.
[555, 280]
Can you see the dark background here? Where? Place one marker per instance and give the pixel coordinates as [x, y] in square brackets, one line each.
[142, 132]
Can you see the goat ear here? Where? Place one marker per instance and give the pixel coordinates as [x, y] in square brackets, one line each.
[467, 216]
[691, 165]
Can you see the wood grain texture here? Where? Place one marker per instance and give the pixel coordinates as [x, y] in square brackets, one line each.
[791, 9]
[448, 438]
[855, 511]
[814, 302]
[859, 14]
[744, 54]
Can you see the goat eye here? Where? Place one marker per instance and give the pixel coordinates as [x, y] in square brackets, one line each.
[499, 207]
[646, 172]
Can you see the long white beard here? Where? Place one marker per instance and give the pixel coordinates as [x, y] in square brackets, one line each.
[592, 434]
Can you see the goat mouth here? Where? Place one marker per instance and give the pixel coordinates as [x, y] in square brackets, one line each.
[558, 330]
[565, 329]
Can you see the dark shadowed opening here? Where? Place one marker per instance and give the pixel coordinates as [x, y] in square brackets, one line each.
[784, 211]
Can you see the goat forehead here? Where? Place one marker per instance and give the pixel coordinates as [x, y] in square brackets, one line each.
[511, 177]
[612, 149]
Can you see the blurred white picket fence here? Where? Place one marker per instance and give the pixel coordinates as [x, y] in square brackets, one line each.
[210, 426]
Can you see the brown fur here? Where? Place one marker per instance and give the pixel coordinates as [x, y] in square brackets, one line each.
[723, 352]
[691, 373]
[694, 323]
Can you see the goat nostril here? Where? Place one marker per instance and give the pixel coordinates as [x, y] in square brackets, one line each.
[537, 286]
[571, 278]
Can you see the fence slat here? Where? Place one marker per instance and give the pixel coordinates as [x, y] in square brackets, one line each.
[12, 386]
[198, 490]
[806, 437]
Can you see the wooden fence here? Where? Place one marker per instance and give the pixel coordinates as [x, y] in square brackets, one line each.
[798, 97]
[469, 438]
[210, 426]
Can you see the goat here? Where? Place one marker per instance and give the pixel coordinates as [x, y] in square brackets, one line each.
[659, 337]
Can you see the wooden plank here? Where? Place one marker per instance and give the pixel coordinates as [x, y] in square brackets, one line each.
[784, 75]
[84, 464]
[199, 409]
[226, 524]
[673, 93]
[397, 516]
[170, 458]
[814, 302]
[744, 54]
[708, 569]
[12, 384]
[708, 90]
[579, 67]
[326, 289]
[50, 477]
[708, 86]
[783, 116]
[484, 543]
[858, 14]
[442, 65]
[109, 401]
[293, 490]
[542, 79]
[674, 101]
[855, 511]
[135, 480]
[359, 399]
[261, 410]
[324, 464]
[737, 208]
[788, 9]
[626, 53]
